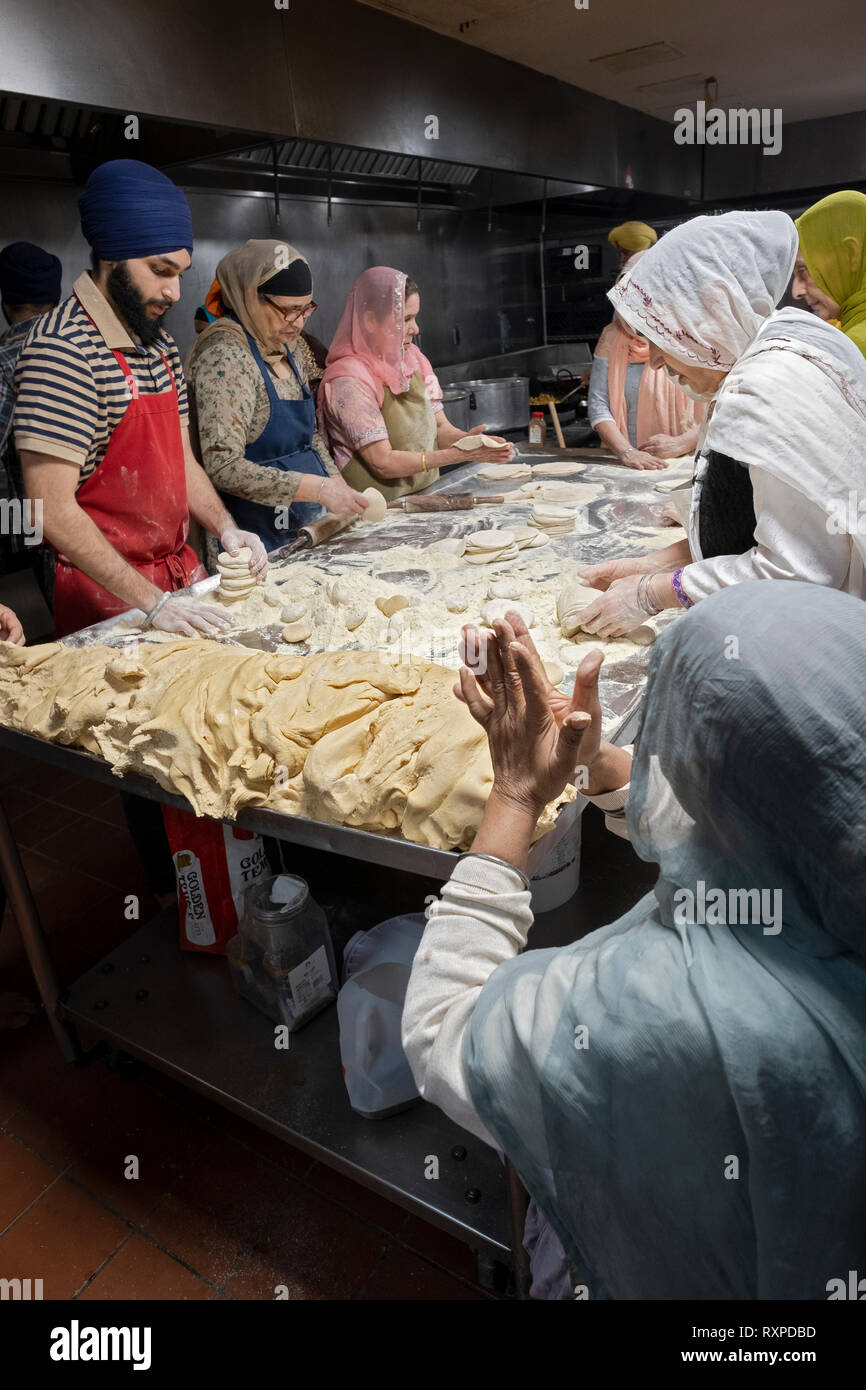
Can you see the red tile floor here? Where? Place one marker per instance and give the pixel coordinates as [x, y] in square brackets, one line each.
[221, 1209]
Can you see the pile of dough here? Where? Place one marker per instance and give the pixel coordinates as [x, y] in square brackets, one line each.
[503, 472]
[346, 737]
[485, 547]
[559, 468]
[470, 442]
[554, 521]
[570, 605]
[378, 508]
[236, 580]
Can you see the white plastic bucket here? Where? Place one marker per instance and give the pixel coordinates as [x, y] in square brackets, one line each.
[557, 877]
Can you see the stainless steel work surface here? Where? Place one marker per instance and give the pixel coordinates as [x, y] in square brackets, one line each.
[180, 1014]
[621, 521]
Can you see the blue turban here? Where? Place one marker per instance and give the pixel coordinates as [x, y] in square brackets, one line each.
[29, 275]
[129, 210]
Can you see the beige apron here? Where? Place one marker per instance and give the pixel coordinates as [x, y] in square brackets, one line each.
[411, 426]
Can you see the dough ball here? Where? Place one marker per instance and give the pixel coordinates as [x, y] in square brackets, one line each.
[554, 672]
[378, 507]
[393, 604]
[456, 603]
[395, 626]
[298, 631]
[343, 590]
[497, 608]
[243, 557]
[235, 586]
[644, 635]
[570, 605]
[355, 617]
[293, 612]
[504, 588]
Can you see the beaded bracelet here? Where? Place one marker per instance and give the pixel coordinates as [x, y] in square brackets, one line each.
[680, 592]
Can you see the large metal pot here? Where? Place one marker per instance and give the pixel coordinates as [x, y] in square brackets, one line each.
[500, 403]
[455, 399]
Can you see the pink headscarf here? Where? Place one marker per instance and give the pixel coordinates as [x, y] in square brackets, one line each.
[383, 290]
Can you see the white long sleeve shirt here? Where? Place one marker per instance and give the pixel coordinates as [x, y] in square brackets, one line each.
[481, 919]
[792, 541]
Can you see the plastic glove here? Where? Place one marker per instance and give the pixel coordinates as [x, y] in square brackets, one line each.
[617, 611]
[603, 575]
[232, 540]
[192, 618]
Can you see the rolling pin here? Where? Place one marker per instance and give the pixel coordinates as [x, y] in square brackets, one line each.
[314, 533]
[554, 414]
[440, 502]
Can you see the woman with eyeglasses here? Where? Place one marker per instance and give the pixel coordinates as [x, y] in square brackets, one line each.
[636, 411]
[253, 414]
[379, 400]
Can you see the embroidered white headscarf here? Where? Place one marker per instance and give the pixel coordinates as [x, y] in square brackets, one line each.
[793, 402]
[704, 291]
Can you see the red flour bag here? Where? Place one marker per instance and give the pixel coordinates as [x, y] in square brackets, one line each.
[214, 865]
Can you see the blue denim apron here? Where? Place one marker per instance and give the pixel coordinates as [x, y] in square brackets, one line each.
[284, 443]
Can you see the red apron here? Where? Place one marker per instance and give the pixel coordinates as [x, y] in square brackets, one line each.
[137, 497]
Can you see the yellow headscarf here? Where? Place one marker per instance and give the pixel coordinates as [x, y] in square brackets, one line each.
[833, 241]
[632, 236]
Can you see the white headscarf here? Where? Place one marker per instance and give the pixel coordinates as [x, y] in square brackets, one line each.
[704, 291]
[794, 398]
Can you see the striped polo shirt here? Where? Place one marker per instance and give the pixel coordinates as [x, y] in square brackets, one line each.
[71, 391]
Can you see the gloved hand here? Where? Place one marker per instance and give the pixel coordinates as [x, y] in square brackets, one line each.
[192, 618]
[232, 540]
[603, 575]
[617, 611]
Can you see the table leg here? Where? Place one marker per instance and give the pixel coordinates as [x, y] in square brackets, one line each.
[518, 1202]
[32, 934]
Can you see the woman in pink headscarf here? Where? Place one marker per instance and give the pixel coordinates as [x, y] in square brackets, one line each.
[380, 404]
[637, 412]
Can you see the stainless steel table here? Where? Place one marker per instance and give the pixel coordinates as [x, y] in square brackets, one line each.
[176, 1011]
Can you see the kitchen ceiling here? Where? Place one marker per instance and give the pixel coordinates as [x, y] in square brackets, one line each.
[656, 55]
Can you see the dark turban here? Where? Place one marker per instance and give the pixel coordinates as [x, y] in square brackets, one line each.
[29, 275]
[129, 210]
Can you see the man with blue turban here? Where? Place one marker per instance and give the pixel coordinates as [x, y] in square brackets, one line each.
[101, 426]
[101, 420]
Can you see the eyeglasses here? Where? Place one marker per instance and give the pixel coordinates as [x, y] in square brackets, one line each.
[291, 315]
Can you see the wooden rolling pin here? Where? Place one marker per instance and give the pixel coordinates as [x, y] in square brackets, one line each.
[440, 502]
[314, 533]
[554, 413]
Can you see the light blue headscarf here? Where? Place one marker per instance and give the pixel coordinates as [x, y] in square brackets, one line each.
[687, 1103]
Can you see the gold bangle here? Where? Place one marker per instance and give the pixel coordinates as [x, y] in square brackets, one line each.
[423, 462]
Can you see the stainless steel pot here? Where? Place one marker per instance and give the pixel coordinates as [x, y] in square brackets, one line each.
[500, 403]
[456, 403]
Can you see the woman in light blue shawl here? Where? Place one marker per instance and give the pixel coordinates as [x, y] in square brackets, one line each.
[683, 1092]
